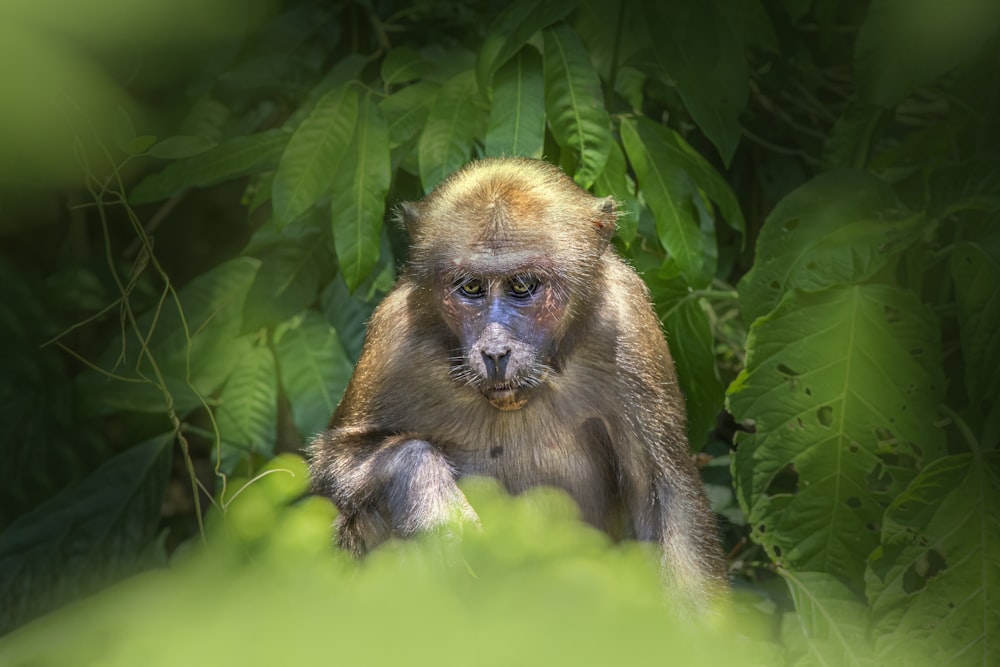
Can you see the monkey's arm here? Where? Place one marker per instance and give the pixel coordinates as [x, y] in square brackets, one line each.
[384, 479]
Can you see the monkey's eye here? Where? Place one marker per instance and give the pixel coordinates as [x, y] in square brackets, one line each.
[472, 288]
[522, 287]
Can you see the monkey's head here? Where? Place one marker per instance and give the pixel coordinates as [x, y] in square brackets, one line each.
[508, 248]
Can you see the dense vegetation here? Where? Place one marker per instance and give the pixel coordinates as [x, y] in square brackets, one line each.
[197, 223]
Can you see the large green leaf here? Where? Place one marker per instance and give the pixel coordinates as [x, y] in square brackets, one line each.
[832, 621]
[934, 586]
[287, 282]
[840, 227]
[314, 371]
[976, 269]
[517, 116]
[905, 44]
[574, 103]
[454, 123]
[704, 59]
[842, 387]
[348, 313]
[203, 347]
[670, 193]
[86, 537]
[512, 29]
[314, 153]
[358, 203]
[247, 411]
[235, 157]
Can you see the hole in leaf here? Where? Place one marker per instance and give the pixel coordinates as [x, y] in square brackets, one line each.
[928, 565]
[785, 481]
[809, 392]
[872, 528]
[854, 502]
[791, 224]
[775, 285]
[812, 266]
[884, 435]
[892, 314]
[853, 447]
[777, 551]
[782, 368]
[825, 416]
[762, 528]
[879, 479]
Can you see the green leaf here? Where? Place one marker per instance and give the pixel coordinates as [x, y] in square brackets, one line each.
[452, 126]
[517, 116]
[512, 30]
[406, 111]
[231, 159]
[314, 372]
[842, 387]
[851, 140]
[206, 353]
[693, 348]
[976, 270]
[670, 194]
[934, 586]
[403, 64]
[704, 59]
[247, 411]
[840, 227]
[85, 538]
[314, 153]
[574, 103]
[906, 44]
[181, 146]
[358, 203]
[832, 618]
[287, 282]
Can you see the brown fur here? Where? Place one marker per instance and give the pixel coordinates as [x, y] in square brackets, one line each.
[593, 408]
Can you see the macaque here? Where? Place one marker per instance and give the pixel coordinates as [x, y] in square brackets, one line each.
[518, 345]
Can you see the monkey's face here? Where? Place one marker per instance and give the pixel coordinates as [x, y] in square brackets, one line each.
[507, 327]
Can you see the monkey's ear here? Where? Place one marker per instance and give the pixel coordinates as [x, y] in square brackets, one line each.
[408, 214]
[605, 218]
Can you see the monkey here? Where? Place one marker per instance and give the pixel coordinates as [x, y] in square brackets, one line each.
[517, 344]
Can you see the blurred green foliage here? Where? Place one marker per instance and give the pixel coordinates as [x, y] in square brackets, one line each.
[196, 207]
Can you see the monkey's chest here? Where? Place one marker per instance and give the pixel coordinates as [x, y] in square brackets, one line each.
[575, 459]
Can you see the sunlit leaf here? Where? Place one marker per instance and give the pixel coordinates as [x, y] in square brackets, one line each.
[358, 203]
[832, 620]
[934, 585]
[615, 181]
[840, 227]
[314, 154]
[842, 388]
[574, 103]
[517, 116]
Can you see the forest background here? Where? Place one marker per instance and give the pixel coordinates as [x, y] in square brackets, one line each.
[195, 217]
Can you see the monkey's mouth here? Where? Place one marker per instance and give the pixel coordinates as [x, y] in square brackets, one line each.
[505, 397]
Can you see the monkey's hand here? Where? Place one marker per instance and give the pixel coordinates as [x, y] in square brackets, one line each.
[421, 493]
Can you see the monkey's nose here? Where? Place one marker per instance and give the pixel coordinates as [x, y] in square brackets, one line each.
[496, 363]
